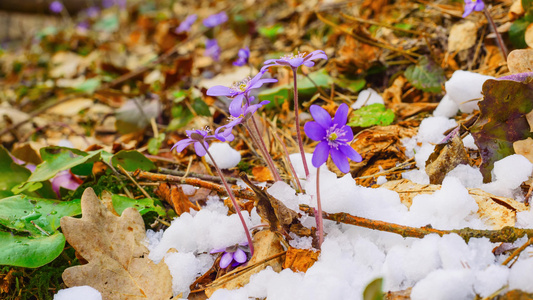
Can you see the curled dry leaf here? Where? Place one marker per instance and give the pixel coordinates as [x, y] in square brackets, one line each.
[114, 248]
[175, 196]
[497, 212]
[299, 260]
[445, 158]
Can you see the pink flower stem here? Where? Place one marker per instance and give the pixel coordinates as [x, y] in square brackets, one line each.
[266, 154]
[258, 141]
[318, 215]
[297, 122]
[499, 39]
[233, 201]
[293, 171]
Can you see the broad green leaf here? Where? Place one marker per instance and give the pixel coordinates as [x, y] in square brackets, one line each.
[181, 117]
[276, 96]
[89, 85]
[120, 203]
[271, 32]
[370, 115]
[154, 144]
[200, 107]
[426, 75]
[18, 212]
[308, 86]
[517, 33]
[29, 252]
[132, 160]
[374, 290]
[501, 121]
[55, 160]
[11, 174]
[353, 85]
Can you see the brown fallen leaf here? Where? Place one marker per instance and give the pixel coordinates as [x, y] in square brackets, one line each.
[299, 260]
[445, 158]
[520, 60]
[280, 218]
[268, 253]
[174, 195]
[6, 282]
[262, 173]
[497, 212]
[114, 248]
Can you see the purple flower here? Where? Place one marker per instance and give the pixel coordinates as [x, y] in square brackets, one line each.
[215, 20]
[212, 49]
[243, 54]
[224, 134]
[471, 5]
[294, 61]
[92, 12]
[239, 90]
[185, 26]
[197, 138]
[65, 180]
[56, 7]
[234, 255]
[334, 137]
[109, 3]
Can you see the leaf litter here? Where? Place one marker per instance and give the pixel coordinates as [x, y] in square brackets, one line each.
[111, 88]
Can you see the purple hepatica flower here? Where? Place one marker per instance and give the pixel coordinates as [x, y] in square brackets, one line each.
[235, 255]
[239, 90]
[294, 61]
[212, 49]
[243, 54]
[471, 5]
[92, 12]
[65, 180]
[109, 3]
[185, 26]
[215, 20]
[198, 138]
[56, 7]
[224, 134]
[334, 137]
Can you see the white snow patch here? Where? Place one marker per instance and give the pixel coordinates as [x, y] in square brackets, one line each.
[84, 292]
[225, 156]
[464, 88]
[508, 174]
[367, 97]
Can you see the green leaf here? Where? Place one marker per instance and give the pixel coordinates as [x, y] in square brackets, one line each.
[154, 144]
[271, 32]
[527, 5]
[11, 174]
[120, 203]
[353, 86]
[18, 212]
[370, 115]
[108, 23]
[276, 96]
[502, 121]
[517, 33]
[29, 252]
[374, 290]
[55, 160]
[132, 160]
[307, 85]
[426, 75]
[89, 85]
[182, 116]
[200, 107]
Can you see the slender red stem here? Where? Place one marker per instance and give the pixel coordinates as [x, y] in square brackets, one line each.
[297, 122]
[319, 220]
[233, 201]
[499, 39]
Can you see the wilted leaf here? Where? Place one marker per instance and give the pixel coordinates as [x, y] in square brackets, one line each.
[114, 248]
[462, 36]
[524, 148]
[445, 158]
[174, 196]
[502, 121]
[426, 75]
[262, 173]
[370, 115]
[520, 61]
[299, 260]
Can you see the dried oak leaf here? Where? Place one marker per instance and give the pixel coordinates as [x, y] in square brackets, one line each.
[175, 196]
[114, 248]
[300, 260]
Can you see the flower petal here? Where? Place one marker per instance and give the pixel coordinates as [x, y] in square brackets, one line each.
[220, 90]
[350, 153]
[200, 151]
[225, 260]
[308, 63]
[240, 256]
[314, 131]
[296, 62]
[321, 154]
[348, 134]
[235, 107]
[317, 54]
[179, 146]
[260, 83]
[479, 5]
[340, 160]
[341, 115]
[321, 116]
